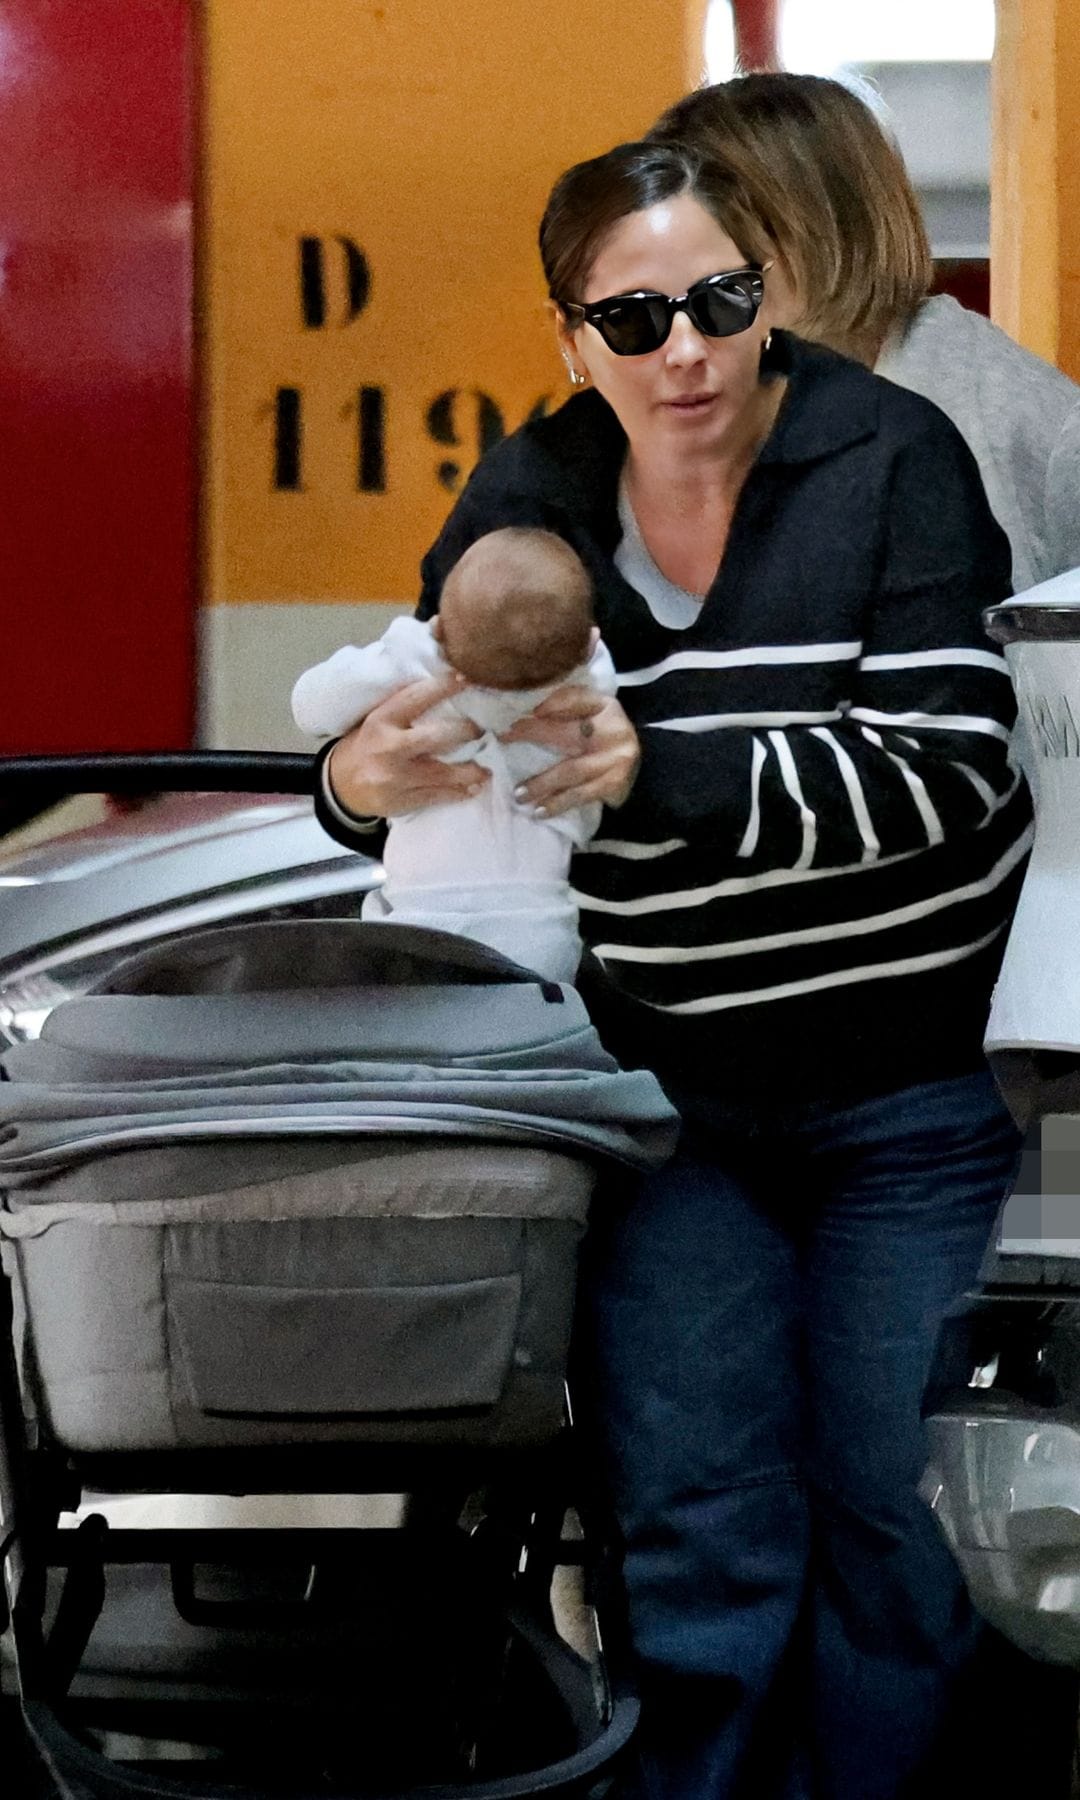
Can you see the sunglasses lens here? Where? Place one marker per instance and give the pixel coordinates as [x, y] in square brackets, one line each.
[633, 326]
[724, 308]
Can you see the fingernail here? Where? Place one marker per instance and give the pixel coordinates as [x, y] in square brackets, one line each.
[539, 812]
[475, 789]
[520, 794]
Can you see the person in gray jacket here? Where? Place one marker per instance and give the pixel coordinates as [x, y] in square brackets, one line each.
[852, 254]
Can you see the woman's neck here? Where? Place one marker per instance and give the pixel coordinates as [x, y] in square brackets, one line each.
[696, 482]
[684, 505]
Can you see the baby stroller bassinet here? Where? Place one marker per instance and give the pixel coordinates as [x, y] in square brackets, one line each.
[242, 1210]
[317, 1185]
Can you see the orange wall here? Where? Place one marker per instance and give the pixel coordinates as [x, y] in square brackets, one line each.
[1068, 189]
[406, 147]
[1035, 216]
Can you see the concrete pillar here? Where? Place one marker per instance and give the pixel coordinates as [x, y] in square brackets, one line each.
[1035, 220]
[372, 303]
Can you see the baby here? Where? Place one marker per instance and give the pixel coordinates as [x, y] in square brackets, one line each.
[516, 621]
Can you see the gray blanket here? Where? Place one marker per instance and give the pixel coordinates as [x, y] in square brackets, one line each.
[268, 1048]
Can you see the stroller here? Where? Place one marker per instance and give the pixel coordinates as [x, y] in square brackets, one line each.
[293, 1208]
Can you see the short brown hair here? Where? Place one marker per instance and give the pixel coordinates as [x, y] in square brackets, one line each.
[591, 198]
[831, 191]
[517, 610]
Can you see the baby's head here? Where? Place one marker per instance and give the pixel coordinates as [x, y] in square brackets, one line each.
[516, 610]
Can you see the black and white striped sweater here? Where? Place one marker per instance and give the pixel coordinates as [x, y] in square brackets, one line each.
[809, 885]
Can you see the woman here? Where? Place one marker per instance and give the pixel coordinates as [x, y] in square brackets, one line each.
[854, 271]
[798, 894]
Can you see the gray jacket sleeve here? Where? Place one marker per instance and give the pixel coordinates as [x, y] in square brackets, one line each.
[1063, 494]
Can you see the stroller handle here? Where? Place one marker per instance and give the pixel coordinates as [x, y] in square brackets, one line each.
[157, 772]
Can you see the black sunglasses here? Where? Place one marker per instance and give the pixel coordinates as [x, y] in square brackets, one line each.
[719, 305]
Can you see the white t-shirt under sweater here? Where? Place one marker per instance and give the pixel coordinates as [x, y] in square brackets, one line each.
[485, 867]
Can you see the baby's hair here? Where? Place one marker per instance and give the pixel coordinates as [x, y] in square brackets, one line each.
[517, 610]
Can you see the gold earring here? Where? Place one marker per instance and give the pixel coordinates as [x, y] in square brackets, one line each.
[767, 345]
[577, 379]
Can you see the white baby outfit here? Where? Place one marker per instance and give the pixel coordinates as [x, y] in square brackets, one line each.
[485, 867]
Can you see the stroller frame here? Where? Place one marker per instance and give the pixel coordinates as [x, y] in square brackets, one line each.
[490, 1560]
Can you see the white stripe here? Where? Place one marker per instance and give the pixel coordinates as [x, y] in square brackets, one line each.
[737, 885]
[758, 759]
[850, 777]
[752, 657]
[789, 774]
[912, 965]
[726, 721]
[934, 659]
[932, 721]
[731, 889]
[670, 954]
[982, 788]
[630, 851]
[935, 831]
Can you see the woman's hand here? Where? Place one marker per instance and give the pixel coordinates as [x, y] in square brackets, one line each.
[601, 752]
[389, 763]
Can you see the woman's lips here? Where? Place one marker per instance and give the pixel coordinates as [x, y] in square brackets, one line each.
[691, 403]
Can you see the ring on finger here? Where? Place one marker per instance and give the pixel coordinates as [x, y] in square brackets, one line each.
[587, 729]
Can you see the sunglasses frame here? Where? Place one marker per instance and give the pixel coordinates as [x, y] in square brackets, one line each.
[596, 313]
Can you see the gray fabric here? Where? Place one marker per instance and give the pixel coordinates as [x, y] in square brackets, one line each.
[485, 1048]
[669, 604]
[1021, 419]
[378, 1181]
[123, 1364]
[145, 1036]
[283, 1350]
[45, 1130]
[219, 1249]
[292, 955]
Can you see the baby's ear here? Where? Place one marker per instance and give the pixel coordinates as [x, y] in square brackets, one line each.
[594, 638]
[436, 628]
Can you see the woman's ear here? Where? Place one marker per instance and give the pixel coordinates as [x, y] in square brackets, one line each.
[783, 305]
[561, 323]
[565, 334]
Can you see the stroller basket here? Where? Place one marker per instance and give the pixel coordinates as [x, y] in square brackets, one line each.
[306, 1183]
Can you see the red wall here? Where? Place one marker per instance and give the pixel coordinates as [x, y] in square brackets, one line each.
[97, 465]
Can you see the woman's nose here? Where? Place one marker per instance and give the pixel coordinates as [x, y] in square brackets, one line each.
[685, 345]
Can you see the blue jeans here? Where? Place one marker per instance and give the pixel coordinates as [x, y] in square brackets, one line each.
[758, 1327]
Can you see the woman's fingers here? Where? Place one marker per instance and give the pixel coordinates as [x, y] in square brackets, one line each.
[568, 735]
[390, 762]
[600, 752]
[410, 702]
[434, 793]
[606, 775]
[453, 779]
[566, 720]
[573, 782]
[436, 737]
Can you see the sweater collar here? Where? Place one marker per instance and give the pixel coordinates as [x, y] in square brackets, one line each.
[831, 403]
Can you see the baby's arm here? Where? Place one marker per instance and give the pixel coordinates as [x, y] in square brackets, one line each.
[338, 693]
